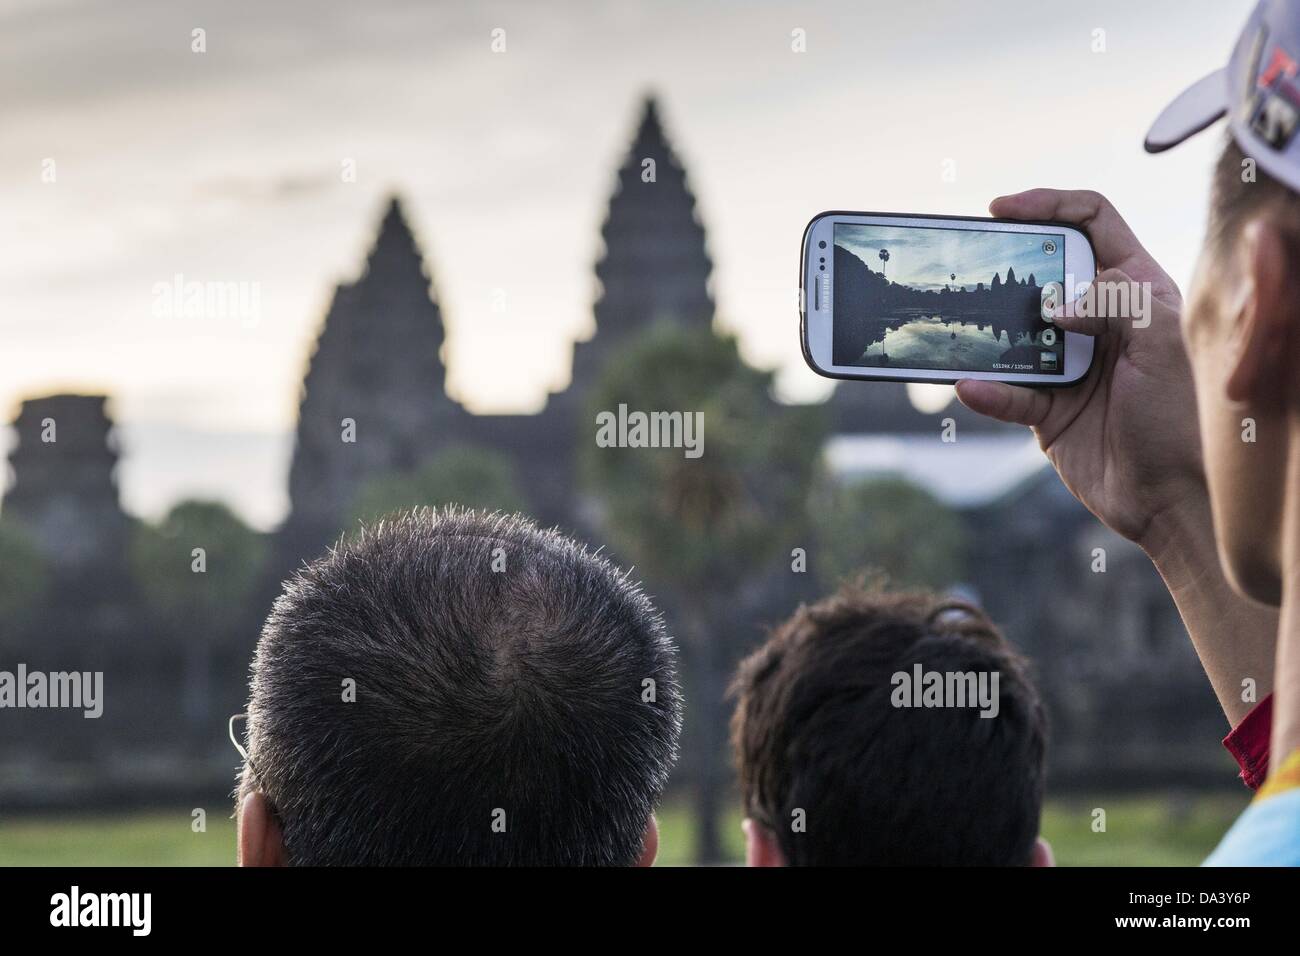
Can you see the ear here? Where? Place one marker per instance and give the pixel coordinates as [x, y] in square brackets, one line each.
[261, 842]
[650, 848]
[1042, 854]
[761, 848]
[1258, 363]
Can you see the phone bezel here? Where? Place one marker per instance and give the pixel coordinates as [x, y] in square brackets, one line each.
[814, 326]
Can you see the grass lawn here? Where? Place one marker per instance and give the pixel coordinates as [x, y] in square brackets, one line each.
[1152, 830]
[1140, 831]
[149, 838]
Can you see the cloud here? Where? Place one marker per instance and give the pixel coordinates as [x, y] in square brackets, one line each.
[286, 187]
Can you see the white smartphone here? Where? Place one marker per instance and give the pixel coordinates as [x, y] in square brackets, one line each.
[918, 298]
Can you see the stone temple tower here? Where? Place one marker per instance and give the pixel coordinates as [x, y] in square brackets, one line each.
[373, 401]
[655, 265]
[64, 493]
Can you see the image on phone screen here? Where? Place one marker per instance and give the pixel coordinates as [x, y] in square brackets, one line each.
[924, 297]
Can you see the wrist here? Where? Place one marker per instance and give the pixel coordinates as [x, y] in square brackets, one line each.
[1179, 539]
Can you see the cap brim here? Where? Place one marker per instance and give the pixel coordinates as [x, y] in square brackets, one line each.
[1201, 104]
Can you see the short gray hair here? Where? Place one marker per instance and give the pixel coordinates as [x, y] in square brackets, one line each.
[516, 699]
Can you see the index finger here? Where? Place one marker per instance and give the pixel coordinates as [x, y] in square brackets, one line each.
[1110, 234]
[1112, 239]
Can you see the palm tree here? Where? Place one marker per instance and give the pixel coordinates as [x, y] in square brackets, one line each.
[891, 524]
[702, 531]
[884, 258]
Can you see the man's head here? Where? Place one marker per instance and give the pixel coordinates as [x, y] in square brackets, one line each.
[1242, 330]
[848, 757]
[1242, 322]
[458, 688]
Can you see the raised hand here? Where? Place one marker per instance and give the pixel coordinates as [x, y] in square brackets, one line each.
[1124, 439]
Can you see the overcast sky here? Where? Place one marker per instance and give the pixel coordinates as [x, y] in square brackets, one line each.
[225, 166]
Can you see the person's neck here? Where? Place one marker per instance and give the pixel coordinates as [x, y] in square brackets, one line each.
[1286, 702]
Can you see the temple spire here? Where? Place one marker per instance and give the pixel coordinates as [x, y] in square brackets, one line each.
[377, 362]
[64, 494]
[655, 264]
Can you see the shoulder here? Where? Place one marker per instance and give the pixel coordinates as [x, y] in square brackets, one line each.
[1267, 834]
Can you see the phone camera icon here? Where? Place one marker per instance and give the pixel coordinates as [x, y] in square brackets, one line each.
[1049, 248]
[1049, 337]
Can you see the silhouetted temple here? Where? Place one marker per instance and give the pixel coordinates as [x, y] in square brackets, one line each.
[655, 264]
[377, 360]
[64, 493]
[377, 371]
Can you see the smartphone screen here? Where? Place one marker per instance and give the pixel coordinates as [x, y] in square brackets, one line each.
[960, 300]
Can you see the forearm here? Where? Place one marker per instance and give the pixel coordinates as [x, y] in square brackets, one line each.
[1234, 637]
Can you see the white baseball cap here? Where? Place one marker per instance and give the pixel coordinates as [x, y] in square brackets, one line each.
[1257, 91]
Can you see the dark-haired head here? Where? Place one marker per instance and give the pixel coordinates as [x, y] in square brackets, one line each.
[450, 687]
[838, 767]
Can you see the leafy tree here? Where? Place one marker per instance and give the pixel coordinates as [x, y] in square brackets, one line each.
[458, 474]
[702, 531]
[24, 573]
[200, 560]
[197, 570]
[890, 525]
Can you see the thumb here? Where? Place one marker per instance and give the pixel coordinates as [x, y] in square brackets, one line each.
[1006, 403]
